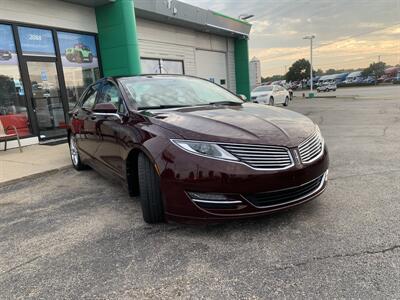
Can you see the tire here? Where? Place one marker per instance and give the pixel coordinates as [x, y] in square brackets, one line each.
[69, 57]
[286, 103]
[74, 154]
[271, 101]
[150, 192]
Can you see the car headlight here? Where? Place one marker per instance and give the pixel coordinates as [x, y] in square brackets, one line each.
[204, 149]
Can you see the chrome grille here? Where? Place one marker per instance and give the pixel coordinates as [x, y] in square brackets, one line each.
[260, 156]
[312, 147]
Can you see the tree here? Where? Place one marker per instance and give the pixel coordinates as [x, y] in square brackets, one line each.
[319, 72]
[300, 69]
[376, 69]
[330, 71]
[272, 78]
[7, 90]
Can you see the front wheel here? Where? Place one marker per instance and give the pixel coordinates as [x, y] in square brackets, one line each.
[150, 192]
[271, 101]
[74, 153]
[286, 103]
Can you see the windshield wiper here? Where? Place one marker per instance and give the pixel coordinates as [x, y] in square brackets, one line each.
[162, 106]
[225, 103]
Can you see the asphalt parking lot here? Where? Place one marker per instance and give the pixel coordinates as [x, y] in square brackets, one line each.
[76, 235]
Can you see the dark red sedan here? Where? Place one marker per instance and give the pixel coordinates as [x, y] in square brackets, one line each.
[194, 151]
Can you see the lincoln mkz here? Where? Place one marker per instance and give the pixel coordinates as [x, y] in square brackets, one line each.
[193, 151]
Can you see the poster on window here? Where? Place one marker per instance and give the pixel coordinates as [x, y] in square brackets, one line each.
[36, 42]
[8, 55]
[78, 50]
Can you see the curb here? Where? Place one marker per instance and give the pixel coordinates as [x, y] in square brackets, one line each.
[321, 97]
[33, 176]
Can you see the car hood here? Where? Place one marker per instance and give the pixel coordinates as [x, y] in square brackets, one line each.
[248, 123]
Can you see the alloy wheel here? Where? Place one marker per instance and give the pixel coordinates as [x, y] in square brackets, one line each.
[74, 151]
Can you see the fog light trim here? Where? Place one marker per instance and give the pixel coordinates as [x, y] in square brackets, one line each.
[218, 202]
[212, 198]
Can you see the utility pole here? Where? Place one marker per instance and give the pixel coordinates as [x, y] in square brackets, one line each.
[310, 37]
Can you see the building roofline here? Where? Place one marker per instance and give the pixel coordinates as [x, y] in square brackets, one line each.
[182, 14]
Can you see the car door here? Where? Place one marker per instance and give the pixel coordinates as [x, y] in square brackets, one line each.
[279, 94]
[111, 130]
[275, 93]
[84, 123]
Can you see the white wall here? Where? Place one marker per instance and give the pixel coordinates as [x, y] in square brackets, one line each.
[49, 13]
[158, 40]
[255, 73]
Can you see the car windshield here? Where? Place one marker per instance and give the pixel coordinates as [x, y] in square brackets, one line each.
[265, 88]
[163, 92]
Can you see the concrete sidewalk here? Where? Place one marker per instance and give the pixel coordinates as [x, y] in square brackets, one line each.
[33, 160]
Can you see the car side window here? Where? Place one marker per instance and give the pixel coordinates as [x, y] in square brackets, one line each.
[111, 94]
[90, 97]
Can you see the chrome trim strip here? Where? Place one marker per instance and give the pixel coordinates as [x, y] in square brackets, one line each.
[217, 202]
[305, 152]
[265, 157]
[323, 179]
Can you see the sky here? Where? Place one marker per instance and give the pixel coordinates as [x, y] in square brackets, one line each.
[349, 33]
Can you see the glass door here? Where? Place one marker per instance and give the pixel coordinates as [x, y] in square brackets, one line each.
[46, 99]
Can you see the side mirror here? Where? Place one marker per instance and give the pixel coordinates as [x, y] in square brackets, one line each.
[105, 108]
[243, 97]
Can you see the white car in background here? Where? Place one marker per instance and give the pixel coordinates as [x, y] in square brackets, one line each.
[327, 87]
[271, 95]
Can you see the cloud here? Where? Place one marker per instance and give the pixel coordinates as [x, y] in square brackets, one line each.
[350, 33]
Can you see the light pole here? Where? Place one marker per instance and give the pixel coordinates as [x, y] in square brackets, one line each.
[310, 37]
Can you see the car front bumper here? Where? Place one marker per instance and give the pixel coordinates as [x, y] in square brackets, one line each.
[198, 189]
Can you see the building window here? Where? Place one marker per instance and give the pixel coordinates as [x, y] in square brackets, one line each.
[161, 66]
[13, 111]
[80, 63]
[36, 42]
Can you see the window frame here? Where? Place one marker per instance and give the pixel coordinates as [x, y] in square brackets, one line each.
[86, 94]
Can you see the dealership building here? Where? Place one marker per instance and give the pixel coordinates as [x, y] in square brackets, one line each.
[51, 50]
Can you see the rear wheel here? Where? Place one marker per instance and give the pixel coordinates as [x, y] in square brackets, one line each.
[271, 101]
[150, 192]
[286, 103]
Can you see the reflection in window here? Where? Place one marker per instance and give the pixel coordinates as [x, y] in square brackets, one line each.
[13, 112]
[80, 63]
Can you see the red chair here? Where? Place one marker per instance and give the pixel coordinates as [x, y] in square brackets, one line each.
[5, 135]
